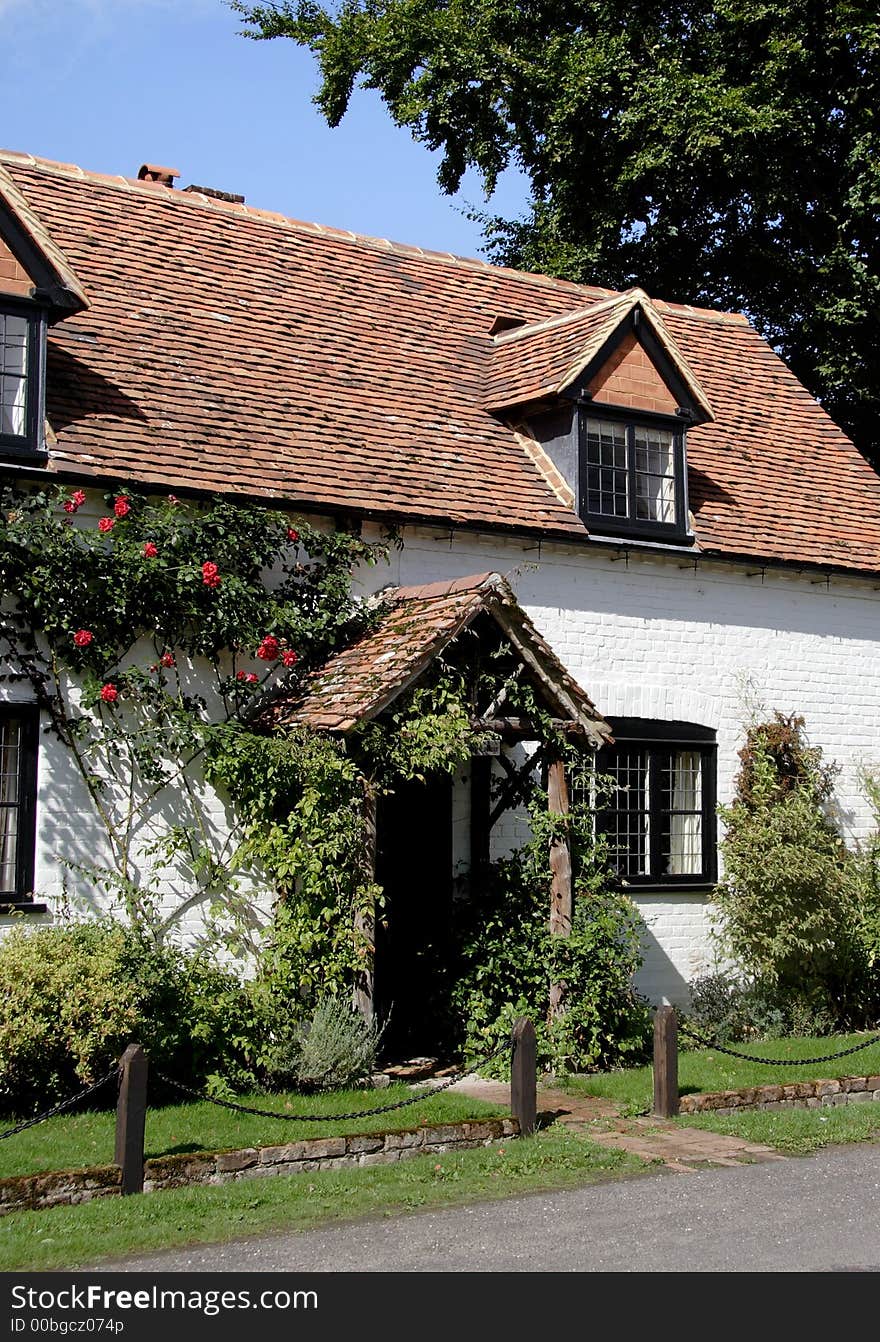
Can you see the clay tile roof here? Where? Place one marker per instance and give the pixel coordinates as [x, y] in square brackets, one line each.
[42, 240]
[538, 361]
[359, 682]
[230, 349]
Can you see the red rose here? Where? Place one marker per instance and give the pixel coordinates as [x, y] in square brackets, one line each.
[241, 675]
[292, 535]
[122, 507]
[109, 694]
[78, 497]
[106, 524]
[69, 506]
[83, 637]
[251, 677]
[211, 575]
[150, 550]
[290, 658]
[269, 648]
[167, 659]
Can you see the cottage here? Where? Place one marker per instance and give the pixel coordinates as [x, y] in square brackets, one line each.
[678, 526]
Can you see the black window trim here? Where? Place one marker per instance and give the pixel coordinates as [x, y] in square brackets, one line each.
[30, 445]
[600, 523]
[21, 900]
[658, 738]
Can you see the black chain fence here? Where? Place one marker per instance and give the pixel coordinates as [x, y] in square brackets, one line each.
[777, 1062]
[327, 1118]
[112, 1075]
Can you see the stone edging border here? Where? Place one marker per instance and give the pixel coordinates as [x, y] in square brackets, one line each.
[794, 1095]
[32, 1192]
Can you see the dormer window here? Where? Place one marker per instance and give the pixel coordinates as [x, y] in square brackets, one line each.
[21, 335]
[607, 393]
[632, 475]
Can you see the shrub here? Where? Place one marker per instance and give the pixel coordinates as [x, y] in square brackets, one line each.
[334, 1049]
[733, 1011]
[72, 997]
[786, 898]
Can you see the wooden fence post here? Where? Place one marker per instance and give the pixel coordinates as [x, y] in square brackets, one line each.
[524, 1076]
[665, 1062]
[131, 1117]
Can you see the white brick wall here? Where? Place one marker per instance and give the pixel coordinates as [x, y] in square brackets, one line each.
[660, 637]
[646, 637]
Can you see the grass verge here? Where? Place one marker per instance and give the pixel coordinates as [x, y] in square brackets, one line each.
[796, 1131]
[66, 1237]
[75, 1140]
[706, 1070]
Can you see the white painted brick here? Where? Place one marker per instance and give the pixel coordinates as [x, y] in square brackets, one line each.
[645, 638]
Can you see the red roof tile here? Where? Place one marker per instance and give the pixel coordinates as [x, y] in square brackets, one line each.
[230, 349]
[359, 682]
[531, 363]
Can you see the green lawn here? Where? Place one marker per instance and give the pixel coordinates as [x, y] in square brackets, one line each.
[708, 1070]
[65, 1237]
[74, 1140]
[796, 1131]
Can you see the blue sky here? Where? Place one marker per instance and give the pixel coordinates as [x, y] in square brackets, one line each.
[110, 84]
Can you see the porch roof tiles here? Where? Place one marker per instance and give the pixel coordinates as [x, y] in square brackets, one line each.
[358, 683]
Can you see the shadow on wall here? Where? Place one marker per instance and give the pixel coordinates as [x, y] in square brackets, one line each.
[71, 844]
[660, 979]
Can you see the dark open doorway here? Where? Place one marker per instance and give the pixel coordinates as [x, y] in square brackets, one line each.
[413, 974]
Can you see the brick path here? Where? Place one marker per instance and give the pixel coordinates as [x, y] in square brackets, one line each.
[679, 1148]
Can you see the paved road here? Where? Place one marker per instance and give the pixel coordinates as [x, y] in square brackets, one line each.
[808, 1214]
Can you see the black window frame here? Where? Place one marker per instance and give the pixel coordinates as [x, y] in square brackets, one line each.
[22, 897]
[659, 741]
[602, 523]
[31, 443]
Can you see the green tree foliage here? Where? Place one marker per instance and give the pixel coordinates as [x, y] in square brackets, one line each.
[720, 153]
[785, 899]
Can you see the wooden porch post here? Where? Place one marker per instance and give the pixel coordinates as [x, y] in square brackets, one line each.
[560, 867]
[365, 920]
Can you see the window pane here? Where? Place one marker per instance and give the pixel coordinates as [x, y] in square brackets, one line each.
[606, 469]
[654, 474]
[10, 756]
[626, 822]
[682, 802]
[13, 374]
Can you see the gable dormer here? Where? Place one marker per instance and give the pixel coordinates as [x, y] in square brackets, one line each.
[608, 394]
[37, 288]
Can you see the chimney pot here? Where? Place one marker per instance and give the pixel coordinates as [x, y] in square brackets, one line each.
[154, 172]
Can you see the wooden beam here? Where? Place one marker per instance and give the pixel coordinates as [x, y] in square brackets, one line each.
[666, 1101]
[524, 1075]
[131, 1117]
[522, 728]
[560, 852]
[365, 919]
[517, 785]
[481, 801]
[560, 868]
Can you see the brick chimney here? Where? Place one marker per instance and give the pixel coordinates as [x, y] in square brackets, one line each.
[153, 172]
